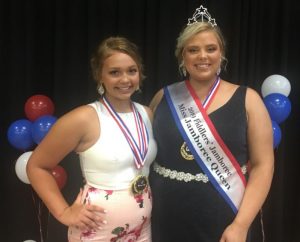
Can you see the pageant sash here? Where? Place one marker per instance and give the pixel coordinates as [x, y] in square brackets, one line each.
[138, 147]
[207, 147]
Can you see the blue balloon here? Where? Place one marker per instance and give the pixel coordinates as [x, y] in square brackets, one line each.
[19, 134]
[41, 126]
[276, 134]
[278, 105]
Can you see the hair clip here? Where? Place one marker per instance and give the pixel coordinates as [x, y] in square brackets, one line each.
[201, 15]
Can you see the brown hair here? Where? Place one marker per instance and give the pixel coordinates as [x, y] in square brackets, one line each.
[111, 45]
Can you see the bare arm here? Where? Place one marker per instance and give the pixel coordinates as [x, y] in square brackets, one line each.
[69, 133]
[260, 140]
[156, 100]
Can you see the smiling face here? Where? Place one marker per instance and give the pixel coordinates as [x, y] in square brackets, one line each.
[120, 76]
[202, 56]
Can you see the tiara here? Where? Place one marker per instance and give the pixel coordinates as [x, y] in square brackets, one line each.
[201, 15]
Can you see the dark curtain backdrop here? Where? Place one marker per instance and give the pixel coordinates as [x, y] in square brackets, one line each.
[45, 46]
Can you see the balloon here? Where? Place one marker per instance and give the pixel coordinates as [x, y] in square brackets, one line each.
[276, 134]
[279, 106]
[60, 176]
[20, 167]
[41, 127]
[276, 84]
[19, 134]
[37, 106]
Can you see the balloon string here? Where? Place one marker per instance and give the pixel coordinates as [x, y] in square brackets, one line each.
[39, 214]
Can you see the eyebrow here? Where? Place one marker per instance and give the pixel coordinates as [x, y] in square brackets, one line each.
[118, 67]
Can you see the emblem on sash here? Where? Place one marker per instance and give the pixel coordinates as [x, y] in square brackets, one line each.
[139, 184]
[185, 152]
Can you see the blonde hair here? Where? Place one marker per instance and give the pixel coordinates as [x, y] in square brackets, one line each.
[111, 45]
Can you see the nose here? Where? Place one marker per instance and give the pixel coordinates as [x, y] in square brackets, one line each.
[202, 54]
[124, 77]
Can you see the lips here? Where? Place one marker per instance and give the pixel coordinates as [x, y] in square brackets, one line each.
[202, 66]
[127, 89]
[124, 88]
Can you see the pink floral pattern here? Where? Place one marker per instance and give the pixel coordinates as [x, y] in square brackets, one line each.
[108, 193]
[89, 234]
[123, 234]
[91, 190]
[139, 198]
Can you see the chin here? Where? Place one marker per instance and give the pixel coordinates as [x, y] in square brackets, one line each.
[125, 96]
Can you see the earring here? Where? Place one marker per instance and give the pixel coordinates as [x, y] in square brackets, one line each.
[183, 70]
[101, 89]
[138, 89]
[219, 71]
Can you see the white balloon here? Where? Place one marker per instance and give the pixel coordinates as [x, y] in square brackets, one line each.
[20, 167]
[276, 84]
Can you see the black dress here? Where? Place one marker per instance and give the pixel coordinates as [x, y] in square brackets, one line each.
[193, 211]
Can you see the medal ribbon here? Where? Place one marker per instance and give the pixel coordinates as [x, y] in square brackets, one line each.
[204, 142]
[211, 93]
[140, 148]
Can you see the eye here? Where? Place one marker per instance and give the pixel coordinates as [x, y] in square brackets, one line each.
[193, 50]
[133, 71]
[114, 73]
[211, 49]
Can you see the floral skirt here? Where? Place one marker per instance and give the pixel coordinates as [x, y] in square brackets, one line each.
[128, 216]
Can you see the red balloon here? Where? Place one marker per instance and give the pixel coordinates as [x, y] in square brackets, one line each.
[37, 106]
[60, 176]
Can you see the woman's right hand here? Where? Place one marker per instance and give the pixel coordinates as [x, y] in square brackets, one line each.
[83, 216]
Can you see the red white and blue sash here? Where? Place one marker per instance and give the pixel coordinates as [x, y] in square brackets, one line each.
[204, 142]
[138, 147]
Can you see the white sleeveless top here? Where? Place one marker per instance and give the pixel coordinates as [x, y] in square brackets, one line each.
[109, 163]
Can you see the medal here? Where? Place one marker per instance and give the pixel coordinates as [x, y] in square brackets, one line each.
[139, 184]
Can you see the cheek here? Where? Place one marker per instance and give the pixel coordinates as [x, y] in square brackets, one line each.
[137, 81]
[188, 60]
[136, 78]
[189, 64]
[217, 58]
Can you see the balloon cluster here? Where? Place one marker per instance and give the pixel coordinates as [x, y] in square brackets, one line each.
[24, 134]
[275, 90]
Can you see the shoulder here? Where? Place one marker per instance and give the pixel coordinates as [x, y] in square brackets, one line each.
[257, 112]
[147, 110]
[81, 113]
[156, 100]
[77, 119]
[252, 97]
[73, 129]
[228, 86]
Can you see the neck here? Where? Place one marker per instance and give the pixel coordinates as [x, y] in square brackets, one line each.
[202, 87]
[119, 105]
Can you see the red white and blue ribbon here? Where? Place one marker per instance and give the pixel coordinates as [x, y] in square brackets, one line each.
[138, 147]
[204, 142]
[211, 93]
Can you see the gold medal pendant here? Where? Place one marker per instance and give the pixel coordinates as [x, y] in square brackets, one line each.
[185, 152]
[139, 184]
